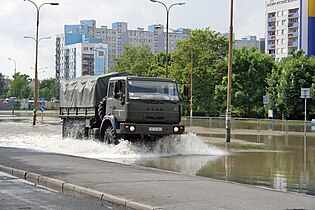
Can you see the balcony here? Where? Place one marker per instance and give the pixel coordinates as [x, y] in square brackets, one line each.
[293, 25]
[293, 44]
[293, 34]
[271, 19]
[293, 15]
[271, 28]
[271, 37]
[271, 46]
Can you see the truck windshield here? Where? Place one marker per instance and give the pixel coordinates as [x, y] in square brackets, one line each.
[152, 90]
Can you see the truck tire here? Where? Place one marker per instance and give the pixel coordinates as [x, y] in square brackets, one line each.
[110, 137]
[65, 131]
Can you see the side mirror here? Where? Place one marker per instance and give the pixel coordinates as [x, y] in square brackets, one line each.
[186, 90]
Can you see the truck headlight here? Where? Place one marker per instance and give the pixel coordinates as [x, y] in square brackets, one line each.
[132, 128]
[176, 129]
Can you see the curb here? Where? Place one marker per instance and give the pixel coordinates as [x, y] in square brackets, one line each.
[74, 190]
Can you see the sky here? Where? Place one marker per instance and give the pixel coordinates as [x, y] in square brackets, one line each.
[18, 19]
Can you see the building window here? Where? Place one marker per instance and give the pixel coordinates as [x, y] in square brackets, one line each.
[284, 50]
[284, 22]
[279, 13]
[284, 31]
[284, 13]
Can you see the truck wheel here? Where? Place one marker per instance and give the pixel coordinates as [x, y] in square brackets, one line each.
[65, 128]
[110, 137]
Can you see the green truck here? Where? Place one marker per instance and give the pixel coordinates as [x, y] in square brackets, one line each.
[118, 106]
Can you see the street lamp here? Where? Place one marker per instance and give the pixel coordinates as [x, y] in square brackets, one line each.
[167, 18]
[36, 54]
[229, 89]
[11, 59]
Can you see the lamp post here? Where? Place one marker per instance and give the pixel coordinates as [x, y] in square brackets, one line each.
[11, 59]
[36, 54]
[167, 18]
[229, 89]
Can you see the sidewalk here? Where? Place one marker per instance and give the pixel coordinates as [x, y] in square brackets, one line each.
[144, 188]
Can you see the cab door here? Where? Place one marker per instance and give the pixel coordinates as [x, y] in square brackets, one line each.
[119, 100]
[110, 97]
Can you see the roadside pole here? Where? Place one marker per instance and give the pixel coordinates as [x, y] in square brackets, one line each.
[305, 93]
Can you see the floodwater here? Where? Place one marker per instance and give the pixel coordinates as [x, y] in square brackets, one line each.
[286, 164]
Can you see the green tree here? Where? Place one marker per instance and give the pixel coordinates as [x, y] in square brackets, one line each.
[157, 68]
[22, 87]
[284, 85]
[135, 60]
[203, 53]
[250, 70]
[3, 85]
[48, 88]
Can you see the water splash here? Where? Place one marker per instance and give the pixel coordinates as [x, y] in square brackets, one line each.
[48, 138]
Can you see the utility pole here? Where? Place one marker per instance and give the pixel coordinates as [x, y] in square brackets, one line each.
[229, 89]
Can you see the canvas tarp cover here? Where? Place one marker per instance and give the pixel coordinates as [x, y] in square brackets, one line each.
[86, 91]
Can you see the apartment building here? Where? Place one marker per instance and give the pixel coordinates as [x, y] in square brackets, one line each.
[69, 45]
[290, 26]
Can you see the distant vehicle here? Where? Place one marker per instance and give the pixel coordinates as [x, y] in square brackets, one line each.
[119, 105]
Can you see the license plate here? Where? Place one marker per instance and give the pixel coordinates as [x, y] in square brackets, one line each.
[155, 129]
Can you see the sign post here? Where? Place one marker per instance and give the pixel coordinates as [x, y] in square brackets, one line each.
[266, 100]
[305, 93]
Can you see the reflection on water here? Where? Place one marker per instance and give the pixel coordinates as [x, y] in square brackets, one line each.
[288, 164]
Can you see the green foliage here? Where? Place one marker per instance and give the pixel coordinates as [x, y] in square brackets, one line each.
[3, 86]
[203, 54]
[135, 60]
[22, 87]
[250, 70]
[293, 73]
[48, 88]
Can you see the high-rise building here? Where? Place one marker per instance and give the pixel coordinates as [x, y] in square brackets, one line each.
[290, 26]
[247, 42]
[71, 58]
[78, 54]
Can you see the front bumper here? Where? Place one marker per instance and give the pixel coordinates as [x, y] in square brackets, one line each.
[151, 129]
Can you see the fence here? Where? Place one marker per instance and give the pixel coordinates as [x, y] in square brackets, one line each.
[251, 124]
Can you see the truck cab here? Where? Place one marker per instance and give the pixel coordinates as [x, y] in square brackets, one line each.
[141, 107]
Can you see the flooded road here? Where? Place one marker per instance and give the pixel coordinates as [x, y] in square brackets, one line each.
[287, 162]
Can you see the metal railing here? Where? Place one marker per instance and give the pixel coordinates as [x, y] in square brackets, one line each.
[251, 124]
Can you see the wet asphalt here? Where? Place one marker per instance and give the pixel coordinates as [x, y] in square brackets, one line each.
[155, 189]
[16, 193]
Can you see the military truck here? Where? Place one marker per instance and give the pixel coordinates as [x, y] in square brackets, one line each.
[118, 106]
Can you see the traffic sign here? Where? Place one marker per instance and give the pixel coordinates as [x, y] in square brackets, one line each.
[266, 99]
[42, 108]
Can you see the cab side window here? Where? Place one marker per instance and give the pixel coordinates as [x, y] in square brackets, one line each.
[111, 90]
